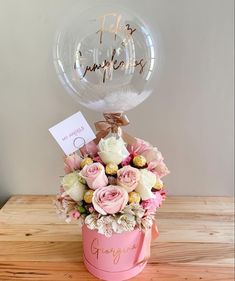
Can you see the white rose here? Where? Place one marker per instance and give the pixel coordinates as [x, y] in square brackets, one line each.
[147, 181]
[73, 187]
[112, 149]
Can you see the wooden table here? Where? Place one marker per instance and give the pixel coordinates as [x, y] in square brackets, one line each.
[195, 243]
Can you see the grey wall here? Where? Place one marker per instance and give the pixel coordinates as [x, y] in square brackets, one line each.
[190, 113]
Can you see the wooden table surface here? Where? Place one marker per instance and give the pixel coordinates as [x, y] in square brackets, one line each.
[195, 243]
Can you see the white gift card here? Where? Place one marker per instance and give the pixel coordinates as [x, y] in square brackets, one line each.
[72, 133]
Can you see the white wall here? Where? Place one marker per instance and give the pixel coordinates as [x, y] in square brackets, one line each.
[191, 109]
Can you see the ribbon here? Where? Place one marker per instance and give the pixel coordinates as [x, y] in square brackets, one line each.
[112, 124]
[148, 237]
[154, 230]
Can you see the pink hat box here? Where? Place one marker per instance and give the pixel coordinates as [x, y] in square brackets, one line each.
[116, 258]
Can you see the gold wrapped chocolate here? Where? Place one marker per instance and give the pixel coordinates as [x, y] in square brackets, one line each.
[86, 161]
[111, 168]
[88, 196]
[139, 161]
[134, 197]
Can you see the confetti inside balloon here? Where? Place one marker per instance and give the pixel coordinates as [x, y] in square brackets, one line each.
[105, 57]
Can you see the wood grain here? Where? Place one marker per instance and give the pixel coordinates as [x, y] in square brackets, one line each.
[50, 271]
[186, 253]
[200, 231]
[195, 243]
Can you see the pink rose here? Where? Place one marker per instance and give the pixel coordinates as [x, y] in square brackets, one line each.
[152, 154]
[94, 175]
[89, 149]
[139, 146]
[158, 168]
[109, 199]
[160, 196]
[151, 205]
[128, 178]
[98, 159]
[72, 163]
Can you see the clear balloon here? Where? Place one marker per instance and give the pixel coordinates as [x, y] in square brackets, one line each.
[105, 57]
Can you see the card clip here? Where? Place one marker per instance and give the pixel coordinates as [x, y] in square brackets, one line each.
[79, 142]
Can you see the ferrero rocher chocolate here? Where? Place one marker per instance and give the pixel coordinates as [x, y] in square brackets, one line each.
[88, 196]
[139, 161]
[86, 161]
[111, 168]
[134, 197]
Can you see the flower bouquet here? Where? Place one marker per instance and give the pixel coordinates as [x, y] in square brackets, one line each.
[114, 189]
[105, 57]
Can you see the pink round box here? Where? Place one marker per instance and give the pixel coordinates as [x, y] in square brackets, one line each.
[120, 257]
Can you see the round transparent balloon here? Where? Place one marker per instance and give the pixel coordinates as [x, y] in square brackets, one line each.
[105, 57]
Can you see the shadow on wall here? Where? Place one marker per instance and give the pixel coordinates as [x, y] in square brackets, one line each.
[4, 196]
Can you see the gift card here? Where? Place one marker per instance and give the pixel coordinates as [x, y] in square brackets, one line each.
[72, 133]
